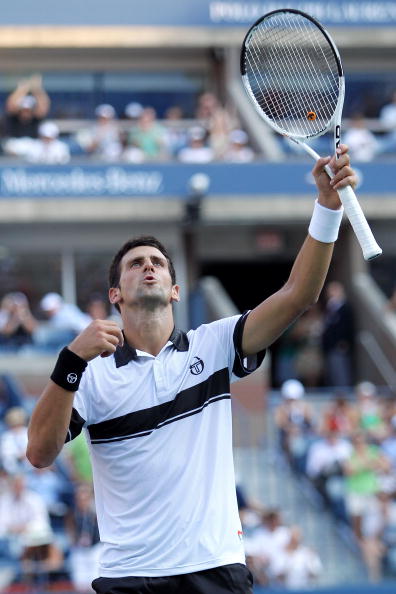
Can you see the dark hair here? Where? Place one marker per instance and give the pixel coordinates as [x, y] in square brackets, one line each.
[115, 272]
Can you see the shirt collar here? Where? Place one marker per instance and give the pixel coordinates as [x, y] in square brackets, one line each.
[126, 353]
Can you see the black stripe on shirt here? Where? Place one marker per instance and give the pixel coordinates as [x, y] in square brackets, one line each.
[186, 403]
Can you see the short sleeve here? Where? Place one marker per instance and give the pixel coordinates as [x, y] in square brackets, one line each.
[243, 366]
[79, 412]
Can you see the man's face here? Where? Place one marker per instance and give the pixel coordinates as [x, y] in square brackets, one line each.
[144, 280]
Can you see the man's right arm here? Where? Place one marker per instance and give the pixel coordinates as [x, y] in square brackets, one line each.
[50, 420]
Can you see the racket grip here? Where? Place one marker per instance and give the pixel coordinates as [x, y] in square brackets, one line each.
[353, 210]
[355, 214]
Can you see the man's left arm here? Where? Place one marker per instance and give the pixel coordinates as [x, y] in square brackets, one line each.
[268, 320]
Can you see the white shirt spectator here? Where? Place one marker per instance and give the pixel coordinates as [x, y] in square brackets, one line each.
[64, 315]
[196, 151]
[23, 515]
[48, 149]
[13, 441]
[297, 568]
[362, 143]
[325, 453]
[238, 151]
[387, 115]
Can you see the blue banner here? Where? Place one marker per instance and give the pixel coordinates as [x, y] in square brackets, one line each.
[202, 13]
[174, 179]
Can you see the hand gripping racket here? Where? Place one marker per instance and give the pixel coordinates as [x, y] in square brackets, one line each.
[292, 72]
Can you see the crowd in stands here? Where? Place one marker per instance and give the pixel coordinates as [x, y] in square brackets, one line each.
[346, 452]
[55, 324]
[136, 135]
[318, 348]
[48, 527]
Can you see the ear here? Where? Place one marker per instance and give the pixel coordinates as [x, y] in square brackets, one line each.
[114, 295]
[175, 294]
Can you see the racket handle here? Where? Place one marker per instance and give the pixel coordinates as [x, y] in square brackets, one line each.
[353, 210]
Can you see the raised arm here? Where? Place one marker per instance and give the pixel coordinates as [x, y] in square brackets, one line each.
[269, 319]
[50, 420]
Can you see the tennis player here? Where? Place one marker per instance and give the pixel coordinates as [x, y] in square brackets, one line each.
[154, 403]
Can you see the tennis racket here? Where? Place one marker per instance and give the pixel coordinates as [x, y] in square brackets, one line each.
[292, 72]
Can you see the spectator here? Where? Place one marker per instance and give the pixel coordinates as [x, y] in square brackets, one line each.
[97, 307]
[48, 148]
[65, 321]
[362, 143]
[308, 359]
[369, 410]
[197, 150]
[387, 115]
[104, 139]
[296, 566]
[148, 136]
[294, 419]
[387, 118]
[25, 108]
[17, 323]
[217, 120]
[238, 150]
[54, 490]
[388, 445]
[133, 111]
[340, 416]
[338, 337]
[362, 470]
[11, 395]
[266, 542]
[13, 441]
[22, 514]
[176, 133]
[325, 460]
[84, 537]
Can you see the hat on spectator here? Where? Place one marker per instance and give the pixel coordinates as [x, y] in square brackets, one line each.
[292, 389]
[105, 110]
[51, 301]
[367, 389]
[197, 133]
[133, 109]
[48, 130]
[238, 137]
[27, 102]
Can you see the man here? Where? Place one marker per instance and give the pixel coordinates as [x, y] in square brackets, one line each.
[155, 405]
[338, 337]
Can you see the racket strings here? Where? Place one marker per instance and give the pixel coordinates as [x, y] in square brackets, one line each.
[293, 74]
[293, 56]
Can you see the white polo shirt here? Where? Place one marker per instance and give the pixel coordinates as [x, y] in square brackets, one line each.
[159, 431]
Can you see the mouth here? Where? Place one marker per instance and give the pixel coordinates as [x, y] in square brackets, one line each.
[149, 279]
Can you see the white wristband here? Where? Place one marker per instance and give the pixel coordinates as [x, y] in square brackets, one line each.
[325, 223]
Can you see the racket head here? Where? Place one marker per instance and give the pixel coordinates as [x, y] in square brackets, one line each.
[292, 72]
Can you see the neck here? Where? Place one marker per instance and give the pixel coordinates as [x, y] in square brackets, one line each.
[148, 331]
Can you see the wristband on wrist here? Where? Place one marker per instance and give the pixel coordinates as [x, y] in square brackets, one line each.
[68, 370]
[325, 223]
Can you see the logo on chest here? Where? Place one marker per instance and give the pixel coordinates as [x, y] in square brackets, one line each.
[197, 367]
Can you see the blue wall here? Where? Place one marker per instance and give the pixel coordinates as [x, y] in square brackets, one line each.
[254, 179]
[191, 12]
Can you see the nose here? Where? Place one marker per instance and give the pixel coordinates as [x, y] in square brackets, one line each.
[148, 265]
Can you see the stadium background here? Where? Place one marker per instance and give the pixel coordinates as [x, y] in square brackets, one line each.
[59, 225]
